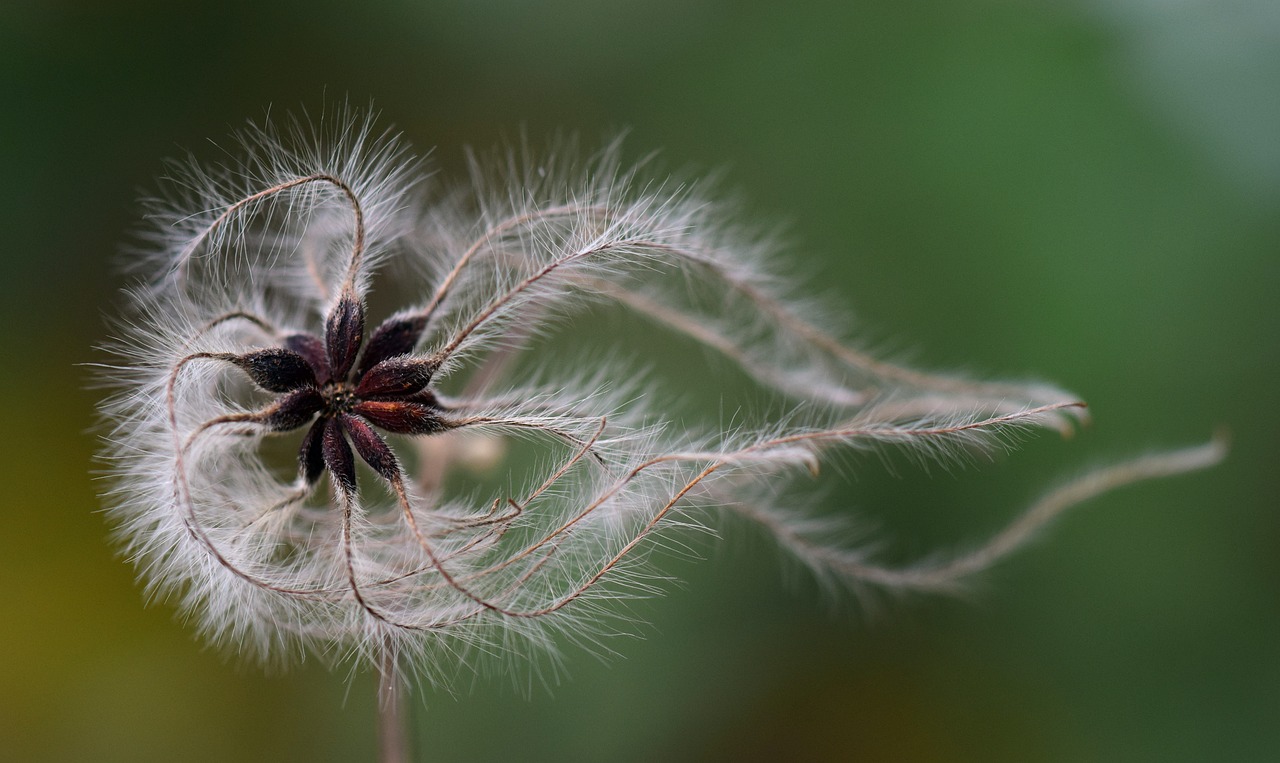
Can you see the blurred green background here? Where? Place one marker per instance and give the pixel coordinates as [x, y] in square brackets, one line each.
[1081, 191]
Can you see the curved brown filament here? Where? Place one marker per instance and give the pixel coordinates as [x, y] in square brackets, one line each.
[252, 318]
[182, 494]
[519, 423]
[490, 518]
[442, 291]
[554, 477]
[182, 488]
[348, 555]
[1012, 537]
[507, 297]
[719, 461]
[358, 243]
[776, 442]
[682, 323]
[847, 355]
[978, 394]
[771, 306]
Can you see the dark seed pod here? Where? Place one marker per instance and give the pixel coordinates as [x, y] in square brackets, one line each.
[311, 454]
[277, 369]
[312, 348]
[397, 377]
[375, 452]
[337, 456]
[294, 409]
[344, 331]
[396, 336]
[400, 417]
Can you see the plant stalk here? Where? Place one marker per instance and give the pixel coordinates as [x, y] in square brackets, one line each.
[393, 720]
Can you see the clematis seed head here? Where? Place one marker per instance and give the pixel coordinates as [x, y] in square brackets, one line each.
[251, 323]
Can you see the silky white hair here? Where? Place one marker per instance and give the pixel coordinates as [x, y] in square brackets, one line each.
[587, 463]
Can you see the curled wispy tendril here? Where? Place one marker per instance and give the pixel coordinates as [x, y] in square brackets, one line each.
[292, 445]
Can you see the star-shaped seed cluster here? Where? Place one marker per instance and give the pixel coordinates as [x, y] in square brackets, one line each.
[353, 386]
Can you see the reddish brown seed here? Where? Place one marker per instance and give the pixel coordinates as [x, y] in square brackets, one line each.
[337, 456]
[375, 452]
[400, 417]
[397, 377]
[293, 409]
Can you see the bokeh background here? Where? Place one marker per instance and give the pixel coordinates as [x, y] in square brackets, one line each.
[1085, 191]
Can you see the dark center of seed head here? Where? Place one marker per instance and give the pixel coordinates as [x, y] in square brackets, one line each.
[339, 397]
